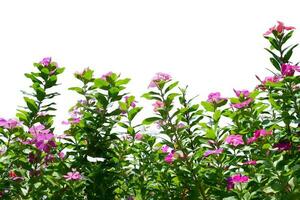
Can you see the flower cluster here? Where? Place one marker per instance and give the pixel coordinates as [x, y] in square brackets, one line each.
[279, 28]
[159, 77]
[257, 134]
[10, 123]
[238, 178]
[43, 139]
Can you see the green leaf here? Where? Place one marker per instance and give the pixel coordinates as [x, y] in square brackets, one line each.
[133, 112]
[208, 106]
[45, 71]
[123, 125]
[31, 104]
[122, 81]
[274, 43]
[210, 133]
[274, 55]
[150, 120]
[102, 99]
[51, 82]
[40, 92]
[88, 74]
[100, 83]
[171, 86]
[33, 78]
[77, 89]
[151, 96]
[60, 70]
[289, 53]
[217, 115]
[275, 64]
[113, 91]
[287, 36]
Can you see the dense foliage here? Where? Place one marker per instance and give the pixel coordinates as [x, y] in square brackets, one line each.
[242, 147]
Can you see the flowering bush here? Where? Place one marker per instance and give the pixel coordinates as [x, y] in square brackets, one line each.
[241, 147]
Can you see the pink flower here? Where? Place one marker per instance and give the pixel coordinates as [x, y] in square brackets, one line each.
[242, 104]
[289, 70]
[250, 162]
[158, 105]
[138, 136]
[241, 93]
[75, 117]
[42, 138]
[257, 134]
[216, 151]
[10, 123]
[104, 76]
[262, 133]
[72, 176]
[238, 178]
[234, 140]
[271, 79]
[165, 148]
[61, 155]
[46, 61]
[159, 77]
[215, 97]
[279, 28]
[251, 140]
[170, 158]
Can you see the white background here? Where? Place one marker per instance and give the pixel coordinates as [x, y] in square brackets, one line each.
[209, 45]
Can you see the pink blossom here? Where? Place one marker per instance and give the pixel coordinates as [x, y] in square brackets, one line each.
[158, 105]
[243, 93]
[262, 133]
[251, 140]
[271, 79]
[279, 28]
[257, 134]
[138, 136]
[165, 148]
[61, 155]
[46, 61]
[170, 158]
[10, 123]
[104, 76]
[216, 151]
[215, 97]
[74, 175]
[289, 70]
[42, 138]
[159, 77]
[238, 178]
[250, 162]
[234, 140]
[242, 104]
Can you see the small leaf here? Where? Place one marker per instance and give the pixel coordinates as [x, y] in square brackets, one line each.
[31, 104]
[170, 87]
[275, 64]
[207, 106]
[100, 83]
[133, 112]
[150, 120]
[122, 81]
